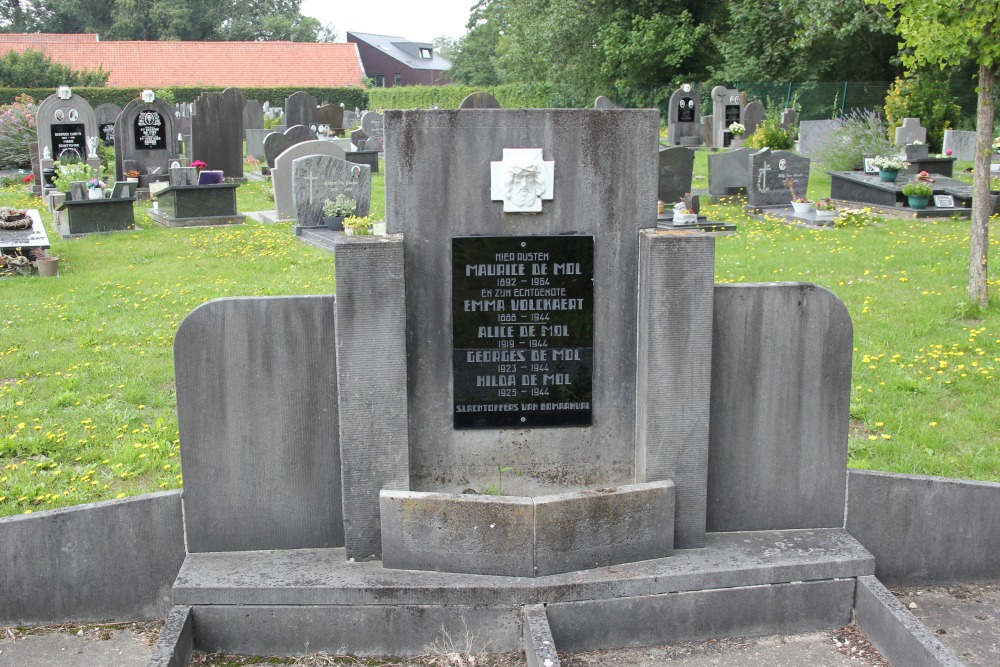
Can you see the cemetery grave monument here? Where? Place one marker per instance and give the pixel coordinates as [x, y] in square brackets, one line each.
[146, 139]
[300, 109]
[316, 178]
[67, 130]
[217, 131]
[727, 108]
[106, 115]
[684, 118]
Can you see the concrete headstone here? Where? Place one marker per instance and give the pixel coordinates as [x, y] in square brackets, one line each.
[316, 178]
[676, 167]
[727, 108]
[962, 144]
[255, 142]
[769, 173]
[603, 102]
[479, 100]
[66, 125]
[300, 109]
[729, 171]
[146, 138]
[812, 133]
[281, 174]
[253, 116]
[106, 115]
[910, 131]
[684, 118]
[277, 143]
[789, 117]
[753, 116]
[217, 131]
[332, 115]
[359, 139]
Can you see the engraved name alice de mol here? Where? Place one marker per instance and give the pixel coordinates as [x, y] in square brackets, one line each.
[523, 331]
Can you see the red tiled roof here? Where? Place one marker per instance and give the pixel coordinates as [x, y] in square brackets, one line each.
[161, 64]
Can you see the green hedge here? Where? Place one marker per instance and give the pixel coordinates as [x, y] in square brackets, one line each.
[510, 96]
[351, 97]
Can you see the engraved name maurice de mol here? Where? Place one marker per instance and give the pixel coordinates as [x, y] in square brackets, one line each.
[522, 180]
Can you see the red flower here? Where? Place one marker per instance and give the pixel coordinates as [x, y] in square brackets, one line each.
[198, 164]
[29, 178]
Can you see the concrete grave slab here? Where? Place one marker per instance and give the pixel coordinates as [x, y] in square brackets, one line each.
[282, 173]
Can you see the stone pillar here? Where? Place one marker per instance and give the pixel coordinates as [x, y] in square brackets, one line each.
[371, 368]
[676, 276]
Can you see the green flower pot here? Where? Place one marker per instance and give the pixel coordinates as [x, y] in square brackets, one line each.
[918, 201]
[888, 175]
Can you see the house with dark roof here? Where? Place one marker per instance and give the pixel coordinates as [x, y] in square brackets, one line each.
[163, 64]
[395, 61]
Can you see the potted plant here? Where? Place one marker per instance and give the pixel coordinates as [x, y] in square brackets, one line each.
[737, 130]
[335, 210]
[96, 188]
[888, 166]
[799, 204]
[132, 175]
[358, 225]
[918, 194]
[826, 209]
[70, 172]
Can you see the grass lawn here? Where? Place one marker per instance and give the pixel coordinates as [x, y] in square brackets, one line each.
[87, 401]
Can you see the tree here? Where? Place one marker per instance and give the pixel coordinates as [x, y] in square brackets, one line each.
[949, 32]
[267, 20]
[33, 69]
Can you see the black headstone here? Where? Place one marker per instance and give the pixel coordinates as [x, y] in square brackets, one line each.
[217, 131]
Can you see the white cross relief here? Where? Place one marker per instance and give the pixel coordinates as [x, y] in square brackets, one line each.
[762, 179]
[522, 180]
[311, 178]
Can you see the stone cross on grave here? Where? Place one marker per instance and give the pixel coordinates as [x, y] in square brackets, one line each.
[762, 178]
[522, 180]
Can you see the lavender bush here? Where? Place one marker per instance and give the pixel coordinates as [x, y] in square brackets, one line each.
[17, 131]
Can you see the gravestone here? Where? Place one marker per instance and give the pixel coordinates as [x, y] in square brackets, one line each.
[813, 133]
[789, 117]
[962, 144]
[910, 131]
[277, 143]
[684, 118]
[332, 115]
[106, 115]
[479, 100]
[146, 140]
[281, 174]
[727, 108]
[66, 128]
[359, 138]
[729, 172]
[352, 119]
[255, 142]
[675, 171]
[300, 109]
[36, 168]
[707, 132]
[316, 178]
[373, 125]
[769, 170]
[753, 116]
[603, 102]
[32, 237]
[253, 116]
[217, 131]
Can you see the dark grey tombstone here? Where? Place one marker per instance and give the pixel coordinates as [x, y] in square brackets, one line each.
[729, 172]
[706, 128]
[123, 190]
[812, 133]
[316, 178]
[727, 108]
[273, 394]
[332, 115]
[146, 138]
[684, 118]
[36, 168]
[789, 117]
[277, 143]
[217, 131]
[769, 171]
[676, 167]
[781, 391]
[373, 125]
[479, 100]
[300, 109]
[358, 138]
[753, 116]
[603, 102]
[253, 116]
[64, 126]
[183, 176]
[281, 174]
[106, 115]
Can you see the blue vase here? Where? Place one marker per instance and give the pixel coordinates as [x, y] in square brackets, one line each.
[918, 201]
[888, 175]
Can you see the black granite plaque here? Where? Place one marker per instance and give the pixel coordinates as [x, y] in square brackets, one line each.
[69, 139]
[107, 131]
[523, 331]
[150, 131]
[685, 114]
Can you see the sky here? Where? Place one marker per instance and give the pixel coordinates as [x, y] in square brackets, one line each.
[416, 21]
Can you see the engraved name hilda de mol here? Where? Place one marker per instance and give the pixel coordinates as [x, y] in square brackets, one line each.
[523, 327]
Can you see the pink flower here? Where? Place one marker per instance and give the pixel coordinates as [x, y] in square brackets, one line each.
[947, 152]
